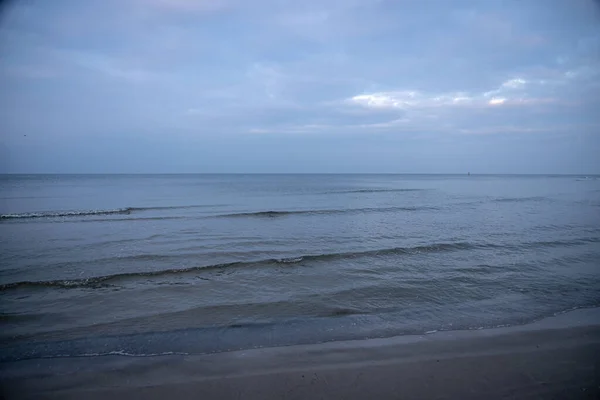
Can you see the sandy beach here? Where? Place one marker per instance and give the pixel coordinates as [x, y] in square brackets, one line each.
[557, 357]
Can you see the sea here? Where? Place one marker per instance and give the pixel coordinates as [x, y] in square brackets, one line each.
[145, 265]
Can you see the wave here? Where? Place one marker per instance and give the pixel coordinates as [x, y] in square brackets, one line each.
[176, 207]
[116, 353]
[103, 281]
[375, 191]
[100, 281]
[52, 214]
[88, 213]
[519, 199]
[283, 213]
[560, 243]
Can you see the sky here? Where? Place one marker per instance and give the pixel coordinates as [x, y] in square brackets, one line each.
[275, 86]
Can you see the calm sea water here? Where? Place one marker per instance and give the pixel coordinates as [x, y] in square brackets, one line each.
[152, 264]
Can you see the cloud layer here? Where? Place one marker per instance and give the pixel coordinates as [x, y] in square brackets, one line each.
[185, 71]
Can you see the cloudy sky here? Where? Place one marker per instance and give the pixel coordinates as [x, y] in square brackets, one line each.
[486, 86]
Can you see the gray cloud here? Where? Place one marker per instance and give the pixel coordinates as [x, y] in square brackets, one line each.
[194, 69]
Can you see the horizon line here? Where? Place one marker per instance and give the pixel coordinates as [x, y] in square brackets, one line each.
[300, 173]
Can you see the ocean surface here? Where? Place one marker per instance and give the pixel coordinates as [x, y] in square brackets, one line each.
[162, 264]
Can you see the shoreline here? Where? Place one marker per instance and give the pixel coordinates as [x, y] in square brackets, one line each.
[220, 339]
[558, 356]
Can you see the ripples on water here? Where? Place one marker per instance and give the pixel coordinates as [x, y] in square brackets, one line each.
[251, 259]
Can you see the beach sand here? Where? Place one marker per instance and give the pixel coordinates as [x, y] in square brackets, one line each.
[555, 358]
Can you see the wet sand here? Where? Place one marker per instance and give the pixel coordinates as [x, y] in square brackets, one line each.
[555, 358]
